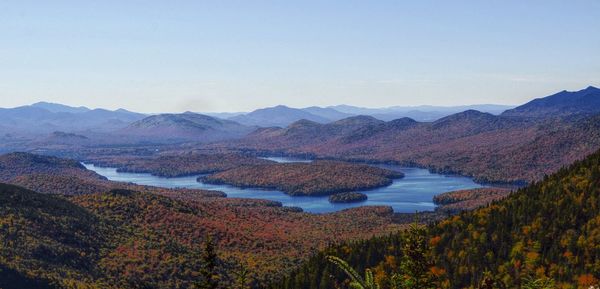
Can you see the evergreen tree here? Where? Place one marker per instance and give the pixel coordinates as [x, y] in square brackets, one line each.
[242, 277]
[416, 261]
[209, 271]
[540, 283]
[489, 282]
[356, 281]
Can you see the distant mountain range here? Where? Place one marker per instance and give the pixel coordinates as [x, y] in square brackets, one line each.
[46, 118]
[519, 145]
[283, 116]
[56, 124]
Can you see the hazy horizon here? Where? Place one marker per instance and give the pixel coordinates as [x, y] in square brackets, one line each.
[329, 106]
[232, 56]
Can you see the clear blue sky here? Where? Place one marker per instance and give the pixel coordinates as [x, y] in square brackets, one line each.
[155, 56]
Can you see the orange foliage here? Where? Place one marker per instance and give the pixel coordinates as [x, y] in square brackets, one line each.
[587, 280]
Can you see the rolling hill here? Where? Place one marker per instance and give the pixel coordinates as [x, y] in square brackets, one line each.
[279, 116]
[48, 242]
[184, 127]
[17, 164]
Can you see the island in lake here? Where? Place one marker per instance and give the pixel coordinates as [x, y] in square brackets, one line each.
[348, 197]
[318, 178]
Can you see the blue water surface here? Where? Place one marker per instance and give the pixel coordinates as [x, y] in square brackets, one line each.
[412, 193]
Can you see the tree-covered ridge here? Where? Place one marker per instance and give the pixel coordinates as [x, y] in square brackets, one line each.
[549, 230]
[53, 175]
[487, 147]
[17, 164]
[48, 240]
[177, 165]
[469, 199]
[316, 178]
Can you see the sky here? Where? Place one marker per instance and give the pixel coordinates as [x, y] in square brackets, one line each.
[211, 56]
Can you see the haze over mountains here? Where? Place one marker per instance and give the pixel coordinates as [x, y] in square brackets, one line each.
[283, 116]
[281, 127]
[519, 145]
[277, 116]
[45, 118]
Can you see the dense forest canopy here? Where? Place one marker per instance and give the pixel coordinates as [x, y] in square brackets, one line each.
[310, 179]
[549, 230]
[130, 236]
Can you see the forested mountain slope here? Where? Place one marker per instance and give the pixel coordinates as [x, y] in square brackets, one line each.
[550, 229]
[47, 240]
[585, 101]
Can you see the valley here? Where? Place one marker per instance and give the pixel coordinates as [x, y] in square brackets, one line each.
[300, 144]
[262, 195]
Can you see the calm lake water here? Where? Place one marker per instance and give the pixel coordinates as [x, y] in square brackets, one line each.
[412, 193]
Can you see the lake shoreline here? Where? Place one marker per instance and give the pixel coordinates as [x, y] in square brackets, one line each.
[413, 193]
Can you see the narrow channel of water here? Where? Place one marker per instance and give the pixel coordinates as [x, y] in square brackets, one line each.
[412, 193]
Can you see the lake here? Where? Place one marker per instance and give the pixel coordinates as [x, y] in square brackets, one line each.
[412, 193]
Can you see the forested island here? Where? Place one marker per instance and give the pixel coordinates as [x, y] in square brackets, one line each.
[347, 197]
[306, 179]
[462, 200]
[178, 164]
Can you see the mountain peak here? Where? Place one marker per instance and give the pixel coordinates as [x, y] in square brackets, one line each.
[304, 123]
[57, 107]
[280, 116]
[585, 101]
[358, 120]
[188, 125]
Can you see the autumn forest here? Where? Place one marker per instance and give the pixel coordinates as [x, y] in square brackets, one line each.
[300, 144]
